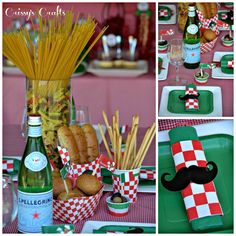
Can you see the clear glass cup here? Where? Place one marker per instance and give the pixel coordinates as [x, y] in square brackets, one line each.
[175, 55]
[82, 115]
[9, 200]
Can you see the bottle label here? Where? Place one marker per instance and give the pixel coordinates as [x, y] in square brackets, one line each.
[35, 131]
[36, 161]
[192, 53]
[191, 13]
[34, 211]
[192, 29]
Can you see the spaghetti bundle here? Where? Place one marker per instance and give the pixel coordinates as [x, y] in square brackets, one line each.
[60, 44]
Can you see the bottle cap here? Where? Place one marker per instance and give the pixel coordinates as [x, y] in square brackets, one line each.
[191, 8]
[34, 120]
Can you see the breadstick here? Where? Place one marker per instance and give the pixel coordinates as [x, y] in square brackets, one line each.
[104, 141]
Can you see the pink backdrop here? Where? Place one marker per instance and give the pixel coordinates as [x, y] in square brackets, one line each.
[130, 95]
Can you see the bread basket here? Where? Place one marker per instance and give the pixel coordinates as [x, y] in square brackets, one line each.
[76, 209]
[206, 24]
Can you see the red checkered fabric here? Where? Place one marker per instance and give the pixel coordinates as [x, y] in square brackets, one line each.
[163, 12]
[128, 187]
[78, 169]
[230, 64]
[147, 174]
[76, 209]
[200, 200]
[166, 32]
[207, 47]
[8, 165]
[166, 124]
[191, 103]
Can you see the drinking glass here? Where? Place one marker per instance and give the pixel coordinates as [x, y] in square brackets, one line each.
[9, 200]
[176, 57]
[82, 115]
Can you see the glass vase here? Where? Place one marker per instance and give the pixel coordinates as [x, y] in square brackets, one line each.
[52, 100]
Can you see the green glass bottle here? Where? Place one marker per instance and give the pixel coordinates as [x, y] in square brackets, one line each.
[191, 40]
[35, 196]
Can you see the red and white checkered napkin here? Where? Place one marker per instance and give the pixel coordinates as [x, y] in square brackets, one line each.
[207, 47]
[147, 174]
[163, 12]
[126, 183]
[191, 103]
[200, 200]
[8, 165]
[76, 209]
[78, 169]
[230, 64]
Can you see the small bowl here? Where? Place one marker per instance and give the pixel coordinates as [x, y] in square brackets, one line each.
[118, 209]
[227, 43]
[162, 45]
[105, 64]
[201, 80]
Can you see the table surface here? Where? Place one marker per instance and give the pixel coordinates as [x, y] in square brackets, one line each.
[144, 211]
[187, 74]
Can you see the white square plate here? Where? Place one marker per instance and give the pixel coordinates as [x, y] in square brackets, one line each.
[172, 20]
[217, 101]
[165, 64]
[216, 72]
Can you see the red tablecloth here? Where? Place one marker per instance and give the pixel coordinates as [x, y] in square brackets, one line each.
[142, 211]
[187, 74]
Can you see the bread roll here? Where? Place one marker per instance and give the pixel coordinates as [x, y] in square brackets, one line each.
[79, 193]
[92, 142]
[213, 9]
[89, 184]
[59, 187]
[209, 35]
[81, 143]
[202, 8]
[67, 140]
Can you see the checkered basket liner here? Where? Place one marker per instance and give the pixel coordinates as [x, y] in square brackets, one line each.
[76, 209]
[78, 169]
[8, 165]
[126, 183]
[200, 199]
[207, 47]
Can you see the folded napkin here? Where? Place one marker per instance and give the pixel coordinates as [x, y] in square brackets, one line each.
[201, 201]
[191, 98]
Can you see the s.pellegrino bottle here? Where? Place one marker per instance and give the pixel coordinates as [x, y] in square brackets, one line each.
[35, 196]
[191, 40]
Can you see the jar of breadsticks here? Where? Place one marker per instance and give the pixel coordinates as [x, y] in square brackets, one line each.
[52, 100]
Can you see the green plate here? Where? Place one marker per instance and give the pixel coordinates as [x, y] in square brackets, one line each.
[175, 105]
[224, 64]
[172, 215]
[164, 18]
[118, 228]
[107, 177]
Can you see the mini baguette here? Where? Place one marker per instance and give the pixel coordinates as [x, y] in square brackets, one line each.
[67, 140]
[81, 143]
[92, 142]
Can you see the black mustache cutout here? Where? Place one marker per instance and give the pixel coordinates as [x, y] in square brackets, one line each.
[195, 174]
[189, 96]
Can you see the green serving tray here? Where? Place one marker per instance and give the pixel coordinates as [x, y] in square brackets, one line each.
[107, 177]
[175, 105]
[172, 215]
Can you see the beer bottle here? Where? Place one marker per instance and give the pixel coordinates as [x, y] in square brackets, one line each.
[35, 196]
[191, 40]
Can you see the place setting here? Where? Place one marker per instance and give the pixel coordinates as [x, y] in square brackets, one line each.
[199, 49]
